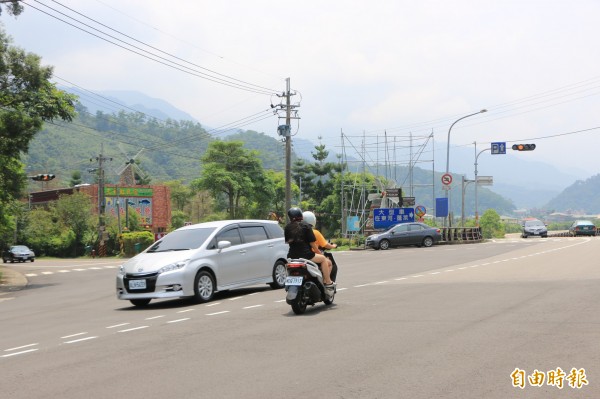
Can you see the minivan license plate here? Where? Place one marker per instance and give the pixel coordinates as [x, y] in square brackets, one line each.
[290, 280]
[137, 284]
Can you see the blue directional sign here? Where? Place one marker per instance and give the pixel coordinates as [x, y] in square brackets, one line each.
[387, 217]
[499, 148]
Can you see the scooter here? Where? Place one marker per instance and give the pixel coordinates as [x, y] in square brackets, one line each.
[304, 284]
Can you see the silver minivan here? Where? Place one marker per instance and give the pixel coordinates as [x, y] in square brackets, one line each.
[201, 259]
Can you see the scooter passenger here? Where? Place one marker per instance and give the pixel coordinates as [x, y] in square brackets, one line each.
[303, 244]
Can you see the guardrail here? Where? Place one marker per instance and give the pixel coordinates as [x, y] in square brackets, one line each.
[461, 235]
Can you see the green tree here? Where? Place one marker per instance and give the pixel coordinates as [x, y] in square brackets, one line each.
[75, 178]
[12, 7]
[74, 212]
[232, 171]
[181, 195]
[178, 219]
[27, 100]
[491, 226]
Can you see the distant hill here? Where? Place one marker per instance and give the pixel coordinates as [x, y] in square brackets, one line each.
[580, 197]
[132, 100]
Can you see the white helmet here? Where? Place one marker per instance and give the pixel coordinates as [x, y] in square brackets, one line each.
[309, 218]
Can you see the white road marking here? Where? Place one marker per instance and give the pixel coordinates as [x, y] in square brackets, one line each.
[213, 304]
[80, 340]
[73, 335]
[19, 353]
[133, 329]
[217, 313]
[31, 275]
[155, 317]
[252, 307]
[187, 310]
[20, 347]
[178, 320]
[118, 325]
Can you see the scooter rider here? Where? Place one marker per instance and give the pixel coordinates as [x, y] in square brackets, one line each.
[302, 241]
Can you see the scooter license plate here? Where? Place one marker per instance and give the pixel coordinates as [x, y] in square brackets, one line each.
[292, 280]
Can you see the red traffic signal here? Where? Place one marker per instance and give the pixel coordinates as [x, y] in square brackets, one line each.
[523, 147]
[43, 177]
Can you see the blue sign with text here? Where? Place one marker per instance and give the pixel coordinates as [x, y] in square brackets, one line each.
[499, 148]
[387, 217]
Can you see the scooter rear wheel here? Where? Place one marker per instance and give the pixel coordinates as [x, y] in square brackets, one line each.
[299, 304]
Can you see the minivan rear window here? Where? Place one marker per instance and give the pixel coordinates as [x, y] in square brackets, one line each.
[181, 240]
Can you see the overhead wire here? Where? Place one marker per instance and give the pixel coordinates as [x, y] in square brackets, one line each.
[231, 82]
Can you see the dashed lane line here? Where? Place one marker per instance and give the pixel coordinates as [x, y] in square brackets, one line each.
[79, 340]
[178, 320]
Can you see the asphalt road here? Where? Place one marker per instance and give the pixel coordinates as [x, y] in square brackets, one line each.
[442, 322]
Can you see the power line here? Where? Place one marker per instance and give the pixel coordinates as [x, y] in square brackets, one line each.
[228, 81]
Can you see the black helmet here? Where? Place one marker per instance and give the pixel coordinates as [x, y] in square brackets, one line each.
[295, 214]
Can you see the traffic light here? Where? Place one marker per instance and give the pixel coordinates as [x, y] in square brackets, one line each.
[523, 147]
[43, 177]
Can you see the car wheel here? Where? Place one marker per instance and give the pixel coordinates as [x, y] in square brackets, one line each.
[204, 286]
[3, 260]
[32, 259]
[427, 242]
[279, 275]
[384, 244]
[140, 302]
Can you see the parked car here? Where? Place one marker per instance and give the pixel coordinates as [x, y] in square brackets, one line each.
[582, 228]
[18, 253]
[201, 259]
[534, 227]
[418, 234]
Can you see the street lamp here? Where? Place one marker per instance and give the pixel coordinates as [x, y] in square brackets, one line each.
[448, 152]
[477, 183]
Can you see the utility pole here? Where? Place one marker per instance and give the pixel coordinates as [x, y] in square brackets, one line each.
[288, 148]
[101, 198]
[285, 131]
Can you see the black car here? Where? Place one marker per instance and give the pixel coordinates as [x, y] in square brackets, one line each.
[582, 228]
[18, 253]
[418, 234]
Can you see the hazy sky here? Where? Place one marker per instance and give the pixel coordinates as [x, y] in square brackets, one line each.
[375, 70]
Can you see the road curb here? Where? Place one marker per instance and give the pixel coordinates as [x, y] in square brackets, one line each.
[11, 280]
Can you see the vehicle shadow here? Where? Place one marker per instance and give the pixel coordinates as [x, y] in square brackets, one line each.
[315, 310]
[186, 302]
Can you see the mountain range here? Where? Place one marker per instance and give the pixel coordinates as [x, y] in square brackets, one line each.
[527, 184]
